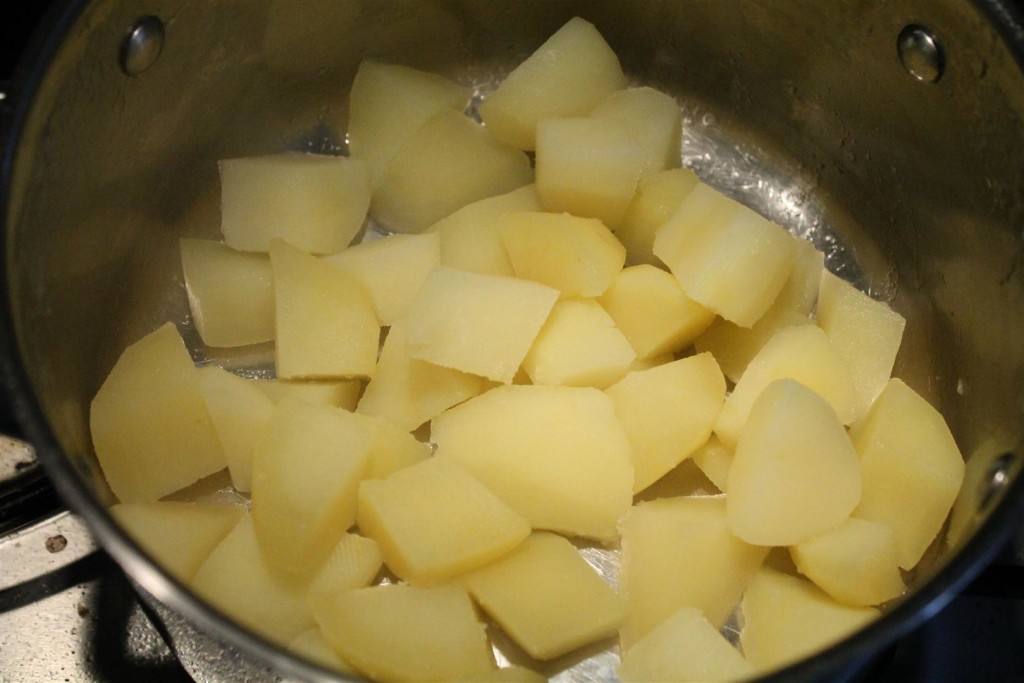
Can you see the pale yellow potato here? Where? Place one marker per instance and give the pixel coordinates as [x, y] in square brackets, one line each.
[577, 256]
[714, 459]
[316, 202]
[434, 521]
[857, 562]
[566, 76]
[912, 468]
[546, 597]
[657, 198]
[531, 446]
[471, 236]
[391, 447]
[865, 332]
[727, 257]
[652, 310]
[795, 472]
[656, 120]
[388, 103]
[475, 323]
[578, 346]
[178, 536]
[668, 412]
[406, 633]
[787, 619]
[802, 353]
[684, 647]
[150, 427]
[306, 471]
[312, 646]
[353, 563]
[734, 346]
[800, 293]
[338, 393]
[230, 293]
[449, 162]
[390, 270]
[679, 552]
[326, 326]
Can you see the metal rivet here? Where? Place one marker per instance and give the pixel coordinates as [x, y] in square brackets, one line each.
[921, 54]
[142, 45]
[997, 478]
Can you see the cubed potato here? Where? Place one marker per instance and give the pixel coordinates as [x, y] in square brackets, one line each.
[865, 332]
[390, 270]
[579, 346]
[353, 563]
[408, 392]
[178, 536]
[230, 293]
[391, 447]
[406, 633]
[317, 203]
[679, 552]
[388, 103]
[313, 647]
[795, 472]
[434, 521]
[578, 256]
[557, 455]
[656, 120]
[912, 468]
[481, 324]
[547, 597]
[668, 412]
[787, 619]
[802, 353]
[471, 237]
[240, 412]
[684, 647]
[566, 76]
[800, 292]
[727, 257]
[337, 393]
[150, 427]
[306, 472]
[734, 346]
[714, 459]
[326, 326]
[652, 310]
[657, 197]
[857, 562]
[449, 162]
[236, 580]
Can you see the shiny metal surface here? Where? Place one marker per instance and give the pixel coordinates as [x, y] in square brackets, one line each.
[921, 53]
[142, 45]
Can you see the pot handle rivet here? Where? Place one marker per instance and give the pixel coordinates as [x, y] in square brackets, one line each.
[142, 45]
[921, 53]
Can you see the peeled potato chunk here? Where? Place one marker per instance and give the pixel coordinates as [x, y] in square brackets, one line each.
[317, 203]
[912, 468]
[566, 76]
[656, 120]
[546, 597]
[530, 445]
[657, 197]
[391, 447]
[734, 346]
[795, 473]
[714, 459]
[150, 427]
[800, 293]
[337, 393]
[230, 293]
[353, 563]
[406, 633]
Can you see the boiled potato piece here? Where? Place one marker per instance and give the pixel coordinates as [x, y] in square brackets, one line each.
[481, 324]
[794, 473]
[449, 162]
[354, 563]
[391, 447]
[727, 257]
[857, 562]
[668, 412]
[317, 203]
[326, 326]
[311, 645]
[578, 346]
[912, 468]
[546, 597]
[434, 520]
[338, 393]
[684, 647]
[656, 120]
[679, 552]
[578, 256]
[388, 103]
[800, 293]
[714, 459]
[566, 76]
[230, 293]
[150, 427]
[734, 346]
[657, 197]
[531, 446]
[179, 536]
[390, 270]
[306, 471]
[406, 633]
[786, 619]
[652, 310]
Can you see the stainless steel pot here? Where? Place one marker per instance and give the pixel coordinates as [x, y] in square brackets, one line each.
[892, 134]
